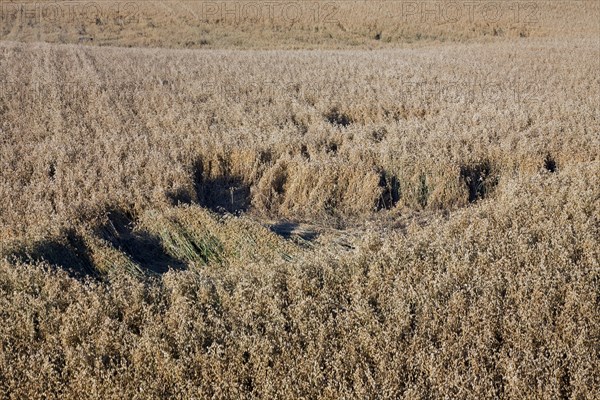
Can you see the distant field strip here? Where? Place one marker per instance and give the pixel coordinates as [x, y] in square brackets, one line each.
[293, 24]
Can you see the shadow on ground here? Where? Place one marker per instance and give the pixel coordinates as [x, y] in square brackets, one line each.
[289, 230]
[69, 253]
[228, 193]
[140, 246]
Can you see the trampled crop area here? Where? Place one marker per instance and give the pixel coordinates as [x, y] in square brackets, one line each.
[285, 200]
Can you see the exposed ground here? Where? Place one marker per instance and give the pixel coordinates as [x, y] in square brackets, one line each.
[354, 203]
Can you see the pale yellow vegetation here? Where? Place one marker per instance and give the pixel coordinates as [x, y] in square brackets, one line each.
[394, 209]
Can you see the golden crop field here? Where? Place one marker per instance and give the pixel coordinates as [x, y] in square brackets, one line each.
[300, 199]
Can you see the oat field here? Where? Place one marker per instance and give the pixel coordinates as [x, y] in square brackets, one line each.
[300, 199]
